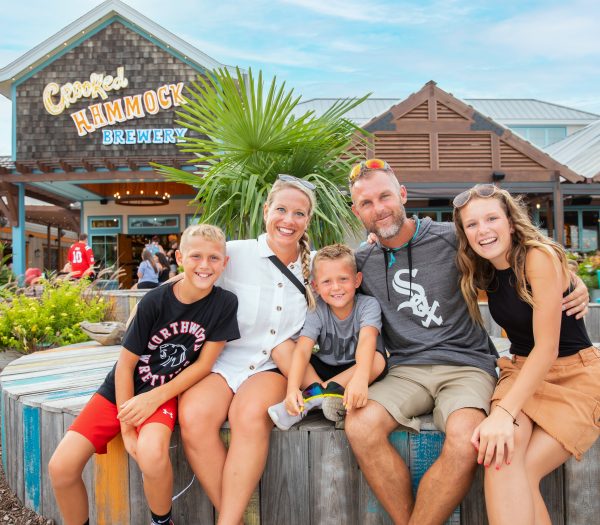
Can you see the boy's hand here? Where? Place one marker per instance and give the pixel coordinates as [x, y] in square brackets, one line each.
[356, 393]
[139, 408]
[294, 402]
[130, 438]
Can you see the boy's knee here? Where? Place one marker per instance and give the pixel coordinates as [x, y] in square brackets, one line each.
[153, 456]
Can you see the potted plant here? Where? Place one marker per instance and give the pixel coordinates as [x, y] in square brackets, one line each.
[589, 271]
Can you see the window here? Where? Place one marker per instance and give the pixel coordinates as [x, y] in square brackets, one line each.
[105, 249]
[436, 214]
[102, 225]
[541, 136]
[153, 224]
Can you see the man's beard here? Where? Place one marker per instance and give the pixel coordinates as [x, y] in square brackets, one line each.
[387, 232]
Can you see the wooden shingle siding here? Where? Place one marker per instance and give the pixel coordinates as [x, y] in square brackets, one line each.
[403, 150]
[419, 113]
[512, 158]
[446, 113]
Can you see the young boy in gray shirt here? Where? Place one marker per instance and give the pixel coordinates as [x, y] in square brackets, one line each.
[350, 353]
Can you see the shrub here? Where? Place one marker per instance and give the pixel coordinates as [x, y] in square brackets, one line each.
[28, 324]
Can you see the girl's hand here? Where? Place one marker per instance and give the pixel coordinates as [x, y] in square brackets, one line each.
[294, 402]
[494, 436]
[130, 438]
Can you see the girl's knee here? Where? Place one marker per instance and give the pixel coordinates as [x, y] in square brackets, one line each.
[62, 471]
[153, 456]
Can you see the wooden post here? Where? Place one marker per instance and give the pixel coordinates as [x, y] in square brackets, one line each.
[559, 212]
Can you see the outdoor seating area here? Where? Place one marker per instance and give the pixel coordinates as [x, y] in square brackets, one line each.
[311, 475]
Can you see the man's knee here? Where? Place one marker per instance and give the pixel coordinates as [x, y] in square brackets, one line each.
[369, 423]
[459, 429]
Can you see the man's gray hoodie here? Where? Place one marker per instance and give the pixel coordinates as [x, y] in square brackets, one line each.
[425, 318]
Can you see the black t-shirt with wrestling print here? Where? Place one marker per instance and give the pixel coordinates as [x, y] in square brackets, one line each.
[168, 335]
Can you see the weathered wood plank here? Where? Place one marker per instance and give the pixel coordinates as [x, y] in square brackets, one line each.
[190, 503]
[32, 458]
[552, 489]
[17, 449]
[112, 485]
[139, 513]
[285, 485]
[3, 427]
[333, 479]
[582, 485]
[53, 430]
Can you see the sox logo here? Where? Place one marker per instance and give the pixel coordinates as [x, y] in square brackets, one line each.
[418, 300]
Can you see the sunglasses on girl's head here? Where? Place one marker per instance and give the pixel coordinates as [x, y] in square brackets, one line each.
[481, 190]
[290, 178]
[366, 165]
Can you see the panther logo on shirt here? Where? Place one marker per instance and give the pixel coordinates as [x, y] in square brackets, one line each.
[172, 355]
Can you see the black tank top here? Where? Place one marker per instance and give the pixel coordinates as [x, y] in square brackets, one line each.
[516, 317]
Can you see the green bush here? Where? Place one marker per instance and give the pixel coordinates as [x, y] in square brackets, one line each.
[28, 324]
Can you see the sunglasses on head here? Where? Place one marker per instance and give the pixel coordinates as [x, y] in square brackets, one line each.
[367, 165]
[481, 190]
[290, 178]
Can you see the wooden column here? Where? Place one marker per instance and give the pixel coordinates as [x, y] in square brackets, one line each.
[49, 246]
[559, 212]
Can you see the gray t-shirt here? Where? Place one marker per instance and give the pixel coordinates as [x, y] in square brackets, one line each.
[338, 338]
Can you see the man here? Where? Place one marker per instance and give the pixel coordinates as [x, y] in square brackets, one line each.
[440, 361]
[81, 258]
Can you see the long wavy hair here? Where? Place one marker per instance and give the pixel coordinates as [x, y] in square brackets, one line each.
[478, 273]
[304, 240]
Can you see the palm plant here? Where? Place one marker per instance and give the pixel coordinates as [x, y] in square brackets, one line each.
[243, 136]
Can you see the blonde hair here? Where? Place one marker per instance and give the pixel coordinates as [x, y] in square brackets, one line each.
[335, 252]
[304, 241]
[478, 273]
[208, 232]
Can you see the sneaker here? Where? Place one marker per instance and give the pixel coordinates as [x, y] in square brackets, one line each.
[313, 396]
[333, 402]
[281, 418]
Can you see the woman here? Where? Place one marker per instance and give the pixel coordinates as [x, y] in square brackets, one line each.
[245, 382]
[546, 405]
[164, 268]
[147, 271]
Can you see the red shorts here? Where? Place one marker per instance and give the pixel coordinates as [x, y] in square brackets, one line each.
[98, 420]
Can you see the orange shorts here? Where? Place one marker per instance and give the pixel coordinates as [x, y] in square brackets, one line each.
[567, 403]
[99, 424]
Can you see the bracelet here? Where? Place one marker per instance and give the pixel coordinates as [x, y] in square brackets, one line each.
[513, 418]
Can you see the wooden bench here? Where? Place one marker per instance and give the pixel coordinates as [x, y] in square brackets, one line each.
[311, 475]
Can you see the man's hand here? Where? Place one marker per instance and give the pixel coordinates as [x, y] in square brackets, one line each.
[576, 303]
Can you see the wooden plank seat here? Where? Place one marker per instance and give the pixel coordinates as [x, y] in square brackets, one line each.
[311, 475]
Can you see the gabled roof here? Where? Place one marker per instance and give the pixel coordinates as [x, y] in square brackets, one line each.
[580, 151]
[432, 132]
[74, 32]
[506, 111]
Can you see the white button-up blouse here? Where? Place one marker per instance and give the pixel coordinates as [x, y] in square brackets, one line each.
[270, 309]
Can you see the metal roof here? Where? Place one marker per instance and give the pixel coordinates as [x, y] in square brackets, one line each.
[580, 151]
[86, 23]
[504, 111]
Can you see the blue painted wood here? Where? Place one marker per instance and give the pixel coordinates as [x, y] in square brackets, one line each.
[32, 463]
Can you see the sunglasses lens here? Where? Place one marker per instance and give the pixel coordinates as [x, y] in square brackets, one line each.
[290, 178]
[355, 171]
[486, 190]
[461, 199]
[375, 164]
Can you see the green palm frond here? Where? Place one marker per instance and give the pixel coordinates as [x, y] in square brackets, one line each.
[243, 134]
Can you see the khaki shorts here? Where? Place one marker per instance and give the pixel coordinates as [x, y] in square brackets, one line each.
[567, 403]
[410, 391]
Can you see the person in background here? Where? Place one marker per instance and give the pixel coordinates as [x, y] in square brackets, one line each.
[147, 272]
[33, 276]
[154, 245]
[81, 258]
[171, 254]
[164, 269]
[545, 406]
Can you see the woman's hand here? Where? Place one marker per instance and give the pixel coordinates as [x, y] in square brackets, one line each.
[294, 402]
[139, 408]
[495, 436]
[372, 238]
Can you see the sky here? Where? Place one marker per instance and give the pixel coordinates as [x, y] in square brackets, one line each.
[543, 49]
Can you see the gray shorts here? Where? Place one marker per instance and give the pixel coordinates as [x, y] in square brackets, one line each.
[410, 391]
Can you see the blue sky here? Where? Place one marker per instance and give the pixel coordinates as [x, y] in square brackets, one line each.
[549, 50]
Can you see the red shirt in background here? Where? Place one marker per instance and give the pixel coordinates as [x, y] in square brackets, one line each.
[81, 258]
